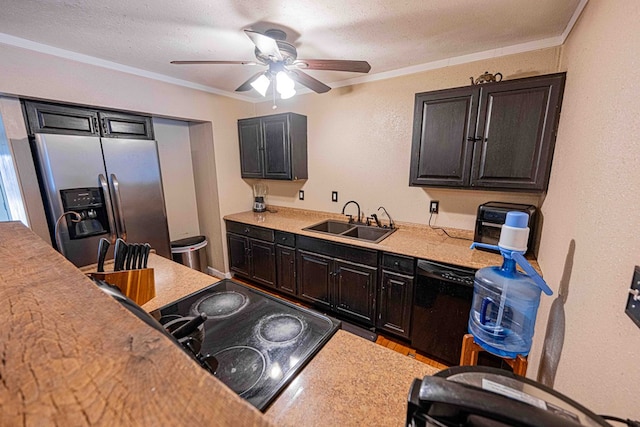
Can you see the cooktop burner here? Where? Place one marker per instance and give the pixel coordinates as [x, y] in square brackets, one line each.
[280, 328]
[220, 304]
[257, 343]
[240, 367]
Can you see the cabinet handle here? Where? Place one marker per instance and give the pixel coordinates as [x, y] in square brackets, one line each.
[246, 230]
[472, 139]
[104, 126]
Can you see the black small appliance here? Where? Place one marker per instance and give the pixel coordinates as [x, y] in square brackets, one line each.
[492, 215]
[489, 397]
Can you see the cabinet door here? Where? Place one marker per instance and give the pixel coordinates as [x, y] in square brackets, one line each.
[517, 125]
[396, 299]
[355, 291]
[263, 262]
[443, 129]
[277, 151]
[51, 118]
[238, 254]
[286, 269]
[251, 158]
[118, 125]
[314, 278]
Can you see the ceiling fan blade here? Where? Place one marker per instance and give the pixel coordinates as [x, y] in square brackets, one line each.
[215, 62]
[266, 45]
[308, 81]
[247, 85]
[333, 65]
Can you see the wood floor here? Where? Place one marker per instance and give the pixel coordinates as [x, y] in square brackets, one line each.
[385, 341]
[401, 348]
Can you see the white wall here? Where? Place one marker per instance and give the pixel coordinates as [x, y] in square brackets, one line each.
[590, 241]
[174, 150]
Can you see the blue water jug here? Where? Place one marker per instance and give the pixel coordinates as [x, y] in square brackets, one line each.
[505, 300]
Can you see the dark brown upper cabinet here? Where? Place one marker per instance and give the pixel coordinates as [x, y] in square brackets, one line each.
[496, 136]
[75, 120]
[273, 147]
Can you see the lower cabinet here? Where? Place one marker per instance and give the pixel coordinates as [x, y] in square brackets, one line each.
[329, 281]
[286, 269]
[334, 277]
[252, 253]
[396, 294]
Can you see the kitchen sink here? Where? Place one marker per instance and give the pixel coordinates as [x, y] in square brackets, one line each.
[351, 231]
[331, 227]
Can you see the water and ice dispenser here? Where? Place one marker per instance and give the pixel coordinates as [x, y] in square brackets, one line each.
[89, 204]
[505, 300]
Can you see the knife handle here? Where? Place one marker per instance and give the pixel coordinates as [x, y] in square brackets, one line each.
[103, 247]
[120, 254]
[147, 250]
[131, 254]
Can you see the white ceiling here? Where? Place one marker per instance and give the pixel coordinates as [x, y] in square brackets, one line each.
[392, 35]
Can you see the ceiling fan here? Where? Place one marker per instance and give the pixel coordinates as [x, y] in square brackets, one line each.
[283, 64]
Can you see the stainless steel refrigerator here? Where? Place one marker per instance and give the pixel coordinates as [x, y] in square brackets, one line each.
[114, 184]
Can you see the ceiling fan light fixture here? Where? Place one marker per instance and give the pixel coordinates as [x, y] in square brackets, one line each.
[284, 85]
[261, 84]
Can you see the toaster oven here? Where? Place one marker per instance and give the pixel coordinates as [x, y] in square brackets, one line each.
[492, 215]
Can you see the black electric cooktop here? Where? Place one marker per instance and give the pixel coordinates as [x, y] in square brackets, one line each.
[259, 342]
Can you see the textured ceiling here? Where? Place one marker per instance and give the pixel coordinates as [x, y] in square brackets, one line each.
[389, 34]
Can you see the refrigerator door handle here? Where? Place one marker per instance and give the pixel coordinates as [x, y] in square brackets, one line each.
[118, 206]
[107, 198]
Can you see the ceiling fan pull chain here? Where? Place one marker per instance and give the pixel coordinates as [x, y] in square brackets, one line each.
[273, 91]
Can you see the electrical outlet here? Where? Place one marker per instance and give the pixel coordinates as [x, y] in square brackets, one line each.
[433, 206]
[334, 196]
[633, 302]
[301, 194]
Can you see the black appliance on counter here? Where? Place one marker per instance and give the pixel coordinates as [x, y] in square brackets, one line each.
[253, 342]
[492, 215]
[488, 397]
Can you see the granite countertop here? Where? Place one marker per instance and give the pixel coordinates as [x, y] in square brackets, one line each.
[74, 356]
[350, 382]
[413, 240]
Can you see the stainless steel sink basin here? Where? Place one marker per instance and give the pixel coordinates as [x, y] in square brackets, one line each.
[331, 227]
[351, 231]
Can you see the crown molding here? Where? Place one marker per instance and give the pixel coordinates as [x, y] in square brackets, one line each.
[92, 60]
[487, 54]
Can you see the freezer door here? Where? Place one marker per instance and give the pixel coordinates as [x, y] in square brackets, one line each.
[133, 170]
[73, 162]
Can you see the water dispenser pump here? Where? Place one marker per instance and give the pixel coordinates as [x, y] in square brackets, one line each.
[505, 300]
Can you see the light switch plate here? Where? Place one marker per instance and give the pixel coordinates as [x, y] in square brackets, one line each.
[301, 194]
[633, 306]
[334, 196]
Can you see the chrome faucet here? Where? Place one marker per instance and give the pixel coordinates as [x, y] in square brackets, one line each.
[391, 225]
[351, 216]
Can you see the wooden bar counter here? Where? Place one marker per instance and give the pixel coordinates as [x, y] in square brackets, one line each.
[71, 355]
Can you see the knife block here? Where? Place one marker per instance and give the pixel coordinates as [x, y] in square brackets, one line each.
[138, 285]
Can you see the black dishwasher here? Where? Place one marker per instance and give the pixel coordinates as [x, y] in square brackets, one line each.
[441, 307]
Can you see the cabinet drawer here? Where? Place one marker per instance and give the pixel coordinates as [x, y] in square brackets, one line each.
[250, 231]
[285, 239]
[398, 263]
[337, 250]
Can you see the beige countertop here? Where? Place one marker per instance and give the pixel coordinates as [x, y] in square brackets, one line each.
[350, 382]
[413, 240]
[74, 356]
